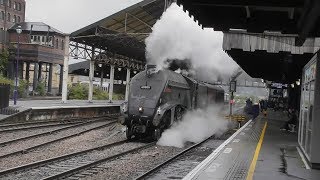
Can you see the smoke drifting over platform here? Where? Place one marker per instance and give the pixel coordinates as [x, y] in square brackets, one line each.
[177, 37]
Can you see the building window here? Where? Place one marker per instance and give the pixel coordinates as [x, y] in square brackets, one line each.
[19, 20]
[9, 17]
[9, 3]
[62, 45]
[15, 6]
[50, 41]
[19, 6]
[57, 43]
[1, 1]
[2, 15]
[14, 18]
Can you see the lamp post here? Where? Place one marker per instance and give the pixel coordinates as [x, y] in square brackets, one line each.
[15, 93]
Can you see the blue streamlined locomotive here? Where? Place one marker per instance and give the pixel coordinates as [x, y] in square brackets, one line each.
[159, 98]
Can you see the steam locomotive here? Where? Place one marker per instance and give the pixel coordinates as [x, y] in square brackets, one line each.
[159, 98]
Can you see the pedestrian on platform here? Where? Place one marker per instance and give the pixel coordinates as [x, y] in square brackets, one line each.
[292, 123]
[263, 106]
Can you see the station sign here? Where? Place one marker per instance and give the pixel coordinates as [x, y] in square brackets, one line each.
[233, 86]
[310, 73]
[278, 85]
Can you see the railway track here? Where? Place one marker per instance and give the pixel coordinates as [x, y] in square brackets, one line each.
[51, 132]
[55, 138]
[158, 168]
[82, 163]
[43, 124]
[28, 127]
[169, 160]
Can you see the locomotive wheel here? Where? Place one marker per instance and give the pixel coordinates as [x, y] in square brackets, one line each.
[156, 134]
[178, 114]
[129, 133]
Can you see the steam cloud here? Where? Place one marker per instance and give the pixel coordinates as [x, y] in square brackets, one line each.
[177, 36]
[196, 126]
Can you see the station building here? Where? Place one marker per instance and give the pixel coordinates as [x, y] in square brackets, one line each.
[41, 54]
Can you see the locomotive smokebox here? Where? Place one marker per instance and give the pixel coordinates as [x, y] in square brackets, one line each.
[151, 69]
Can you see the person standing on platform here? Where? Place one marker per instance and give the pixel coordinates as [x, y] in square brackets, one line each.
[263, 106]
[293, 119]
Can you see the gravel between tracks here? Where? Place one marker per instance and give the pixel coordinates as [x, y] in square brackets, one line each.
[132, 165]
[52, 169]
[20, 145]
[85, 141]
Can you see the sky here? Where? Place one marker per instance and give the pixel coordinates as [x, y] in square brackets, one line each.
[71, 15]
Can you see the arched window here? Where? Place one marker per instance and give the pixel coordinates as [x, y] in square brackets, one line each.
[19, 6]
[9, 17]
[14, 18]
[9, 3]
[19, 20]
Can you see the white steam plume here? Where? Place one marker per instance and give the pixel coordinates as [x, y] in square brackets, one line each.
[177, 36]
[196, 126]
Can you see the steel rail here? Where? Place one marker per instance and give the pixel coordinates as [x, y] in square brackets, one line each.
[40, 126]
[72, 171]
[50, 132]
[5, 125]
[59, 158]
[57, 140]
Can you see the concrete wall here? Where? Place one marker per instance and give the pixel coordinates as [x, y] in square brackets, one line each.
[63, 114]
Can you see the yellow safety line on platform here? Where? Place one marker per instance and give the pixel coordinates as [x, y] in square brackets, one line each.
[256, 154]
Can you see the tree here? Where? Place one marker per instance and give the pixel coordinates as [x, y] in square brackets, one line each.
[4, 58]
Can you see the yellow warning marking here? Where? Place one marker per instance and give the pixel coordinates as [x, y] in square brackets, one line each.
[256, 154]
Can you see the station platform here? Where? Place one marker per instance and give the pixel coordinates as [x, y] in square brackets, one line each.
[55, 103]
[46, 109]
[258, 150]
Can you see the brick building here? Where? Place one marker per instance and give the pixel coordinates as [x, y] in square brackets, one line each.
[42, 50]
[11, 12]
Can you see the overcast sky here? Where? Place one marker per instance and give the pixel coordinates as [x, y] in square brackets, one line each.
[71, 15]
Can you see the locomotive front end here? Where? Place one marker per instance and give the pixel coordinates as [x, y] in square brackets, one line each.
[144, 95]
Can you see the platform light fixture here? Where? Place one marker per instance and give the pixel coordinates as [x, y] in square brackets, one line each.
[15, 92]
[119, 69]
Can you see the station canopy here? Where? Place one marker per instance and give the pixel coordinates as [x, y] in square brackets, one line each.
[277, 36]
[255, 16]
[124, 32]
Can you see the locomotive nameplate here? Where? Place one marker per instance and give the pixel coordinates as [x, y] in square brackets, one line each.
[145, 87]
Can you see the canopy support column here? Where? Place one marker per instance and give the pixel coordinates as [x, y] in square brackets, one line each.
[65, 70]
[127, 84]
[91, 76]
[111, 83]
